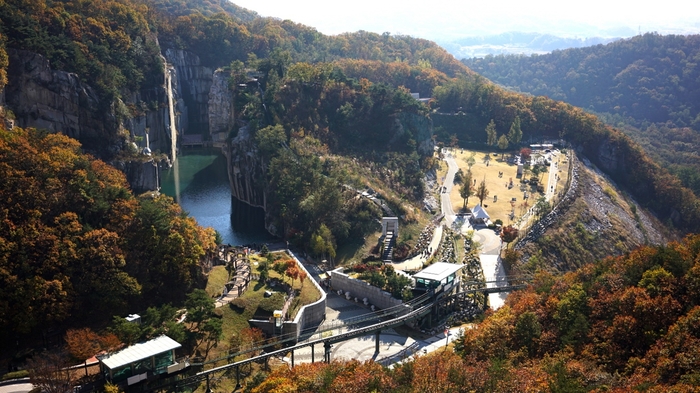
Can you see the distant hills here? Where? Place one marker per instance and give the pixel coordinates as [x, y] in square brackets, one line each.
[515, 43]
[648, 85]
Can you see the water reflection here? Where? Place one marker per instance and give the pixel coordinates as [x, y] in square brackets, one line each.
[205, 195]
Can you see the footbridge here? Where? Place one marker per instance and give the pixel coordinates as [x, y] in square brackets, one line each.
[430, 306]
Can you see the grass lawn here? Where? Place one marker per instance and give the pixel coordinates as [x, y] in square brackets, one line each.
[218, 276]
[498, 186]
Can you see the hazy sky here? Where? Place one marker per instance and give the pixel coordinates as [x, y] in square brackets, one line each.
[446, 19]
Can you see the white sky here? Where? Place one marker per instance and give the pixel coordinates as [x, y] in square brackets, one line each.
[448, 19]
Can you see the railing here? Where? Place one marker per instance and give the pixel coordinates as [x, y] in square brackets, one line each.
[419, 306]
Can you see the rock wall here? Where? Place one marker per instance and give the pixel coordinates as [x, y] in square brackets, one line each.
[58, 101]
[143, 176]
[360, 290]
[246, 170]
[192, 87]
[221, 105]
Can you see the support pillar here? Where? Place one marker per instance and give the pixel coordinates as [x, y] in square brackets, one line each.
[292, 358]
[312, 353]
[327, 351]
[376, 341]
[238, 377]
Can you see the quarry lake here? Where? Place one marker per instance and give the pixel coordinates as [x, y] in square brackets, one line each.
[199, 183]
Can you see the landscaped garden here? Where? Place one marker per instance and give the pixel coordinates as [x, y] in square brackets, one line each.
[268, 290]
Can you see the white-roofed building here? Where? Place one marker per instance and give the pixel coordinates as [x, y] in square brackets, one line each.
[440, 276]
[136, 362]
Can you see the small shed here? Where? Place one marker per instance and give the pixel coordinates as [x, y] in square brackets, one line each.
[480, 216]
[136, 362]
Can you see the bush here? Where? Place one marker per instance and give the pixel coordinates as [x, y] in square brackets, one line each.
[240, 303]
[15, 375]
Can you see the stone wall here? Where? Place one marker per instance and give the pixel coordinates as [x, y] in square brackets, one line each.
[360, 290]
[540, 226]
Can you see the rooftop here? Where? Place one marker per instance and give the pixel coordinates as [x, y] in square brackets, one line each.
[139, 351]
[438, 271]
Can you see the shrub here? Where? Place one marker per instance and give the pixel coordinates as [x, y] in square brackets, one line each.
[15, 375]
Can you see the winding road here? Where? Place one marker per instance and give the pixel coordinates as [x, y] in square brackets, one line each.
[490, 242]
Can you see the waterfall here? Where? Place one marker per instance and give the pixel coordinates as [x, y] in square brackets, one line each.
[171, 107]
[173, 129]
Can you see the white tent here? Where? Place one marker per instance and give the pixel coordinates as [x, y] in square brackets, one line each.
[480, 215]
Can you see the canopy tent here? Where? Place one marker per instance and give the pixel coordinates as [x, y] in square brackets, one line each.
[478, 212]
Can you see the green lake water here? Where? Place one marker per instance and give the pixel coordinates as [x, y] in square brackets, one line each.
[199, 183]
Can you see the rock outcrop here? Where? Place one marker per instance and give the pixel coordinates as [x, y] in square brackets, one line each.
[221, 105]
[246, 170]
[193, 84]
[58, 101]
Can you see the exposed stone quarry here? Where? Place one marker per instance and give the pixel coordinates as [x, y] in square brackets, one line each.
[57, 101]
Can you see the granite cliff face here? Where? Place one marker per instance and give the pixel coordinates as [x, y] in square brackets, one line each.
[246, 170]
[221, 105]
[192, 82]
[60, 102]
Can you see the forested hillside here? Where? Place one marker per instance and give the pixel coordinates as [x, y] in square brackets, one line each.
[325, 117]
[77, 246]
[625, 324]
[112, 45]
[649, 82]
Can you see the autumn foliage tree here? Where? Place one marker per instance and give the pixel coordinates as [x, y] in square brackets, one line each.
[78, 244]
[509, 233]
[84, 343]
[624, 318]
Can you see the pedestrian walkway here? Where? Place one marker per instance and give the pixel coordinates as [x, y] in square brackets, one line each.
[237, 285]
[16, 386]
[417, 262]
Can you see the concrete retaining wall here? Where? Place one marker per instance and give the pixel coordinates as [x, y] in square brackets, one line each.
[308, 317]
[360, 290]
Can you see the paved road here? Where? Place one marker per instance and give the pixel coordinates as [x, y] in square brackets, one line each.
[446, 204]
[553, 172]
[22, 386]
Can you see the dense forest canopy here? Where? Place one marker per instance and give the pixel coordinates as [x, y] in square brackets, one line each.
[341, 90]
[648, 86]
[77, 246]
